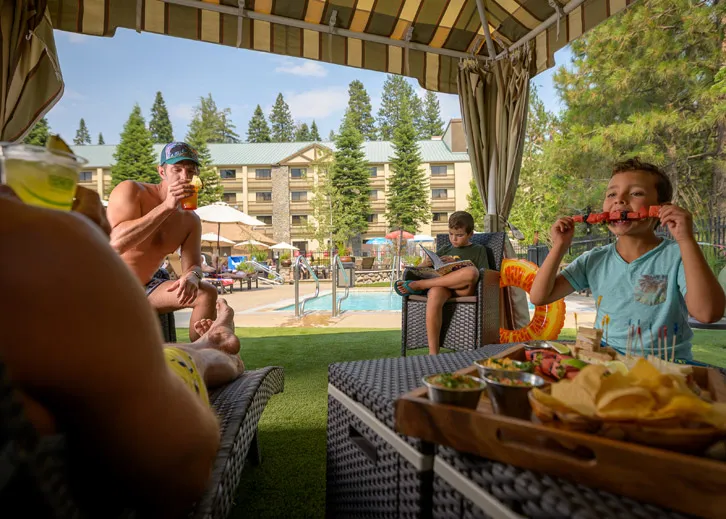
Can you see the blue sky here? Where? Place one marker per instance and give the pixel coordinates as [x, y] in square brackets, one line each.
[105, 76]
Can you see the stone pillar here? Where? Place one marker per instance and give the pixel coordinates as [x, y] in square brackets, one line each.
[281, 203]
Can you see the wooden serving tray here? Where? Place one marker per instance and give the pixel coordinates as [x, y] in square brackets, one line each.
[689, 484]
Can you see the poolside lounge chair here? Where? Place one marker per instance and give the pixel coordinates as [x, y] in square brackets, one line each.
[367, 263]
[36, 473]
[468, 322]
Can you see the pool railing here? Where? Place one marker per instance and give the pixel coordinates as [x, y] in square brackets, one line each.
[339, 269]
[300, 262]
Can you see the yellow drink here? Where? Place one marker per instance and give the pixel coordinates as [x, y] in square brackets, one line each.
[40, 177]
[190, 203]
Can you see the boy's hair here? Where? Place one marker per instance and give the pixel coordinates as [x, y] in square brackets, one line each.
[461, 219]
[662, 182]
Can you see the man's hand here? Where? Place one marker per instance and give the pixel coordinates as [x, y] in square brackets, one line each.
[562, 231]
[679, 222]
[186, 287]
[88, 203]
[176, 192]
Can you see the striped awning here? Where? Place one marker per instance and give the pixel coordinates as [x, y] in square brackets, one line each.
[30, 78]
[423, 39]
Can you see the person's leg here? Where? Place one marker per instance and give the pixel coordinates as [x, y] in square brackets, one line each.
[462, 281]
[436, 297]
[203, 307]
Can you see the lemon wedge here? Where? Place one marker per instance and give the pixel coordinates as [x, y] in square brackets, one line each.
[56, 143]
[196, 182]
[617, 366]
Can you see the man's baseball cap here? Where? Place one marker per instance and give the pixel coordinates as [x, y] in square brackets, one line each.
[176, 152]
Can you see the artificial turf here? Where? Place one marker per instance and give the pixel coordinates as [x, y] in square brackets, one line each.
[290, 482]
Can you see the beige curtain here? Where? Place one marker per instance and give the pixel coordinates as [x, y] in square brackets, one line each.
[30, 78]
[494, 99]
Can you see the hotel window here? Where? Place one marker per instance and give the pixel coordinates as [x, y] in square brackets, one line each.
[266, 196]
[299, 219]
[373, 194]
[230, 198]
[267, 218]
[440, 217]
[374, 171]
[439, 194]
[372, 218]
[263, 174]
[438, 171]
[228, 174]
[299, 196]
[298, 172]
[85, 176]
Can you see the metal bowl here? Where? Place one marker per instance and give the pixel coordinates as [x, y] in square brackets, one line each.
[512, 400]
[486, 370]
[463, 397]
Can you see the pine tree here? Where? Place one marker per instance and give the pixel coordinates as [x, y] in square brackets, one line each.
[283, 126]
[407, 205]
[432, 125]
[227, 127]
[134, 156]
[100, 139]
[302, 134]
[212, 188]
[211, 123]
[331, 136]
[475, 206]
[359, 111]
[257, 129]
[314, 134]
[39, 134]
[396, 91]
[160, 125]
[350, 178]
[82, 135]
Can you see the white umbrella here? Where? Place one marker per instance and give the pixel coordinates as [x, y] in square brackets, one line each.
[220, 213]
[423, 237]
[212, 237]
[283, 246]
[253, 243]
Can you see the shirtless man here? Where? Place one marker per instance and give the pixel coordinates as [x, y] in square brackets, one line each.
[88, 350]
[148, 223]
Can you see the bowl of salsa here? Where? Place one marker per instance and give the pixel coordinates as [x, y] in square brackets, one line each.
[454, 389]
[508, 392]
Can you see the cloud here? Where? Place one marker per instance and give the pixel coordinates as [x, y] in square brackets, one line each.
[182, 111]
[73, 95]
[74, 37]
[304, 68]
[317, 103]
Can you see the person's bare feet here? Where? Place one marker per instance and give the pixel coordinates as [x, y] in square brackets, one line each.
[220, 334]
[202, 326]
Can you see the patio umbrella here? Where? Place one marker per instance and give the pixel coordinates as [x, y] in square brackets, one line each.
[423, 238]
[396, 235]
[284, 246]
[213, 238]
[379, 241]
[30, 77]
[220, 213]
[252, 243]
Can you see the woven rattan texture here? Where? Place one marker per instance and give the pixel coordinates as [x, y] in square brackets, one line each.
[532, 494]
[239, 406]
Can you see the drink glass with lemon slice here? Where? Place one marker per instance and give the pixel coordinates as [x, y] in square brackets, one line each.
[40, 176]
[190, 203]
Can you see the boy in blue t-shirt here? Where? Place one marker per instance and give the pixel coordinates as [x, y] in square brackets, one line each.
[640, 276]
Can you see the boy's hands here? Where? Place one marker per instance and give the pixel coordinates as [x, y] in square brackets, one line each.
[562, 231]
[678, 220]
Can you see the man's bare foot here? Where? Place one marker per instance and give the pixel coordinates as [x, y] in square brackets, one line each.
[220, 334]
[202, 326]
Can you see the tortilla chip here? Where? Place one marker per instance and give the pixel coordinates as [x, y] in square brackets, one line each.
[628, 403]
[644, 374]
[573, 395]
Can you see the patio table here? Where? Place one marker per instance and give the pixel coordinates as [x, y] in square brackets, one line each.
[372, 471]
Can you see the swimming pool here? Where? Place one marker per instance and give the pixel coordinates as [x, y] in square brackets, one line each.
[357, 302]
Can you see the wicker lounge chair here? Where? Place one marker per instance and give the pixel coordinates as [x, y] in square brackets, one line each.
[36, 478]
[468, 322]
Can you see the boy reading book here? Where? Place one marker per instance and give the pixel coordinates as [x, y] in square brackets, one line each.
[640, 276]
[457, 283]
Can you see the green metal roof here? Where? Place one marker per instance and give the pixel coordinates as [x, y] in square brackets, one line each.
[263, 154]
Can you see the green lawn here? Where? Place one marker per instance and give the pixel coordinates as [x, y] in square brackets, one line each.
[291, 480]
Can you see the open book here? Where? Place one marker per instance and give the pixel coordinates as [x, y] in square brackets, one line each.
[439, 267]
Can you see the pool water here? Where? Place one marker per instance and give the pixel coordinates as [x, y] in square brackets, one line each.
[357, 302]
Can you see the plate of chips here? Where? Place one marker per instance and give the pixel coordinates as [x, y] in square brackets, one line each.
[643, 405]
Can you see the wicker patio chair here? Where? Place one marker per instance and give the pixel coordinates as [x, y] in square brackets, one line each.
[467, 322]
[37, 477]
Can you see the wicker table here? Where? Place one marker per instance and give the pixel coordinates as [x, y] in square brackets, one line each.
[374, 472]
